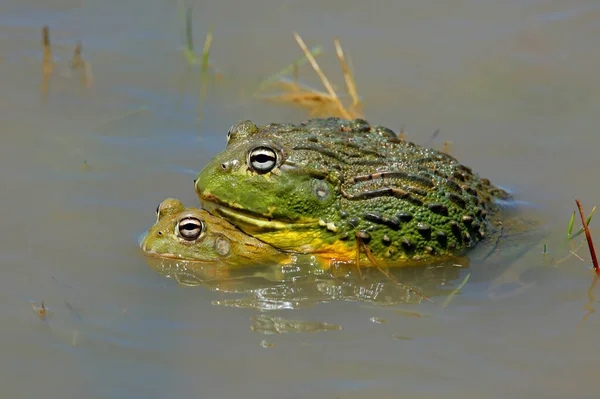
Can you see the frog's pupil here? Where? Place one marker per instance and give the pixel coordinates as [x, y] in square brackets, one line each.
[262, 160]
[190, 228]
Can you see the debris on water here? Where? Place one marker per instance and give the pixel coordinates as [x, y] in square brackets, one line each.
[74, 312]
[74, 338]
[588, 305]
[266, 344]
[409, 313]
[40, 310]
[402, 338]
[378, 320]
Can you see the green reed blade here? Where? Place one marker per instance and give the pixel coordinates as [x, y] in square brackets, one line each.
[570, 229]
[588, 220]
[206, 50]
[455, 291]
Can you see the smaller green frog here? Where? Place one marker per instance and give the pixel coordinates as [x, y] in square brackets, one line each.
[193, 234]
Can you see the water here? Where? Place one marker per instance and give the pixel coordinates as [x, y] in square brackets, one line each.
[512, 85]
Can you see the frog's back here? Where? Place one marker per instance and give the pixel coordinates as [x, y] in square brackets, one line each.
[334, 185]
[405, 201]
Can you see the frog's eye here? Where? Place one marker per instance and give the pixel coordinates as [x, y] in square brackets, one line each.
[158, 208]
[190, 228]
[262, 159]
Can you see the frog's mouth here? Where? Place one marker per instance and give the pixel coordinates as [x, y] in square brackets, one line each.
[250, 221]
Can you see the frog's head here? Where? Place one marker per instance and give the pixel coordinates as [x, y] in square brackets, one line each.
[195, 235]
[275, 184]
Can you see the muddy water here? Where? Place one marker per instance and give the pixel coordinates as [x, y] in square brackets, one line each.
[512, 85]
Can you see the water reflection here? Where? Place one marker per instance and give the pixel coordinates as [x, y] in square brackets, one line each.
[271, 325]
[303, 283]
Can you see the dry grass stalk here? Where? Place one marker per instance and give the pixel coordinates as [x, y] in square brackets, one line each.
[350, 83]
[318, 103]
[446, 148]
[48, 63]
[78, 64]
[316, 67]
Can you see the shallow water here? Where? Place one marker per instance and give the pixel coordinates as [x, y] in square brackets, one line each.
[512, 85]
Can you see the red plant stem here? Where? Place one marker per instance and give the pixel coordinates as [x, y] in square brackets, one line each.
[588, 236]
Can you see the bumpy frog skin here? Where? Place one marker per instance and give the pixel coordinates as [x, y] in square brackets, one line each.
[342, 188]
[194, 235]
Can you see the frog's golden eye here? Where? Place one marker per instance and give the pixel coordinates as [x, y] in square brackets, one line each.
[190, 228]
[262, 159]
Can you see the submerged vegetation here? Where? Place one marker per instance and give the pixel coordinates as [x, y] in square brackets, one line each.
[588, 236]
[573, 250]
[185, 13]
[78, 65]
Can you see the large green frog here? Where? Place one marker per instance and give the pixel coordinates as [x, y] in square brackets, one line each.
[195, 235]
[347, 190]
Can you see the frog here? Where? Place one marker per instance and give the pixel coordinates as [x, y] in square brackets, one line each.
[193, 234]
[348, 190]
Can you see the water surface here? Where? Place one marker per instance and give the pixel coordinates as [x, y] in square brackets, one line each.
[512, 85]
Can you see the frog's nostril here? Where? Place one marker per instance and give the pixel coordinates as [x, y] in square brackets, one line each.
[230, 166]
